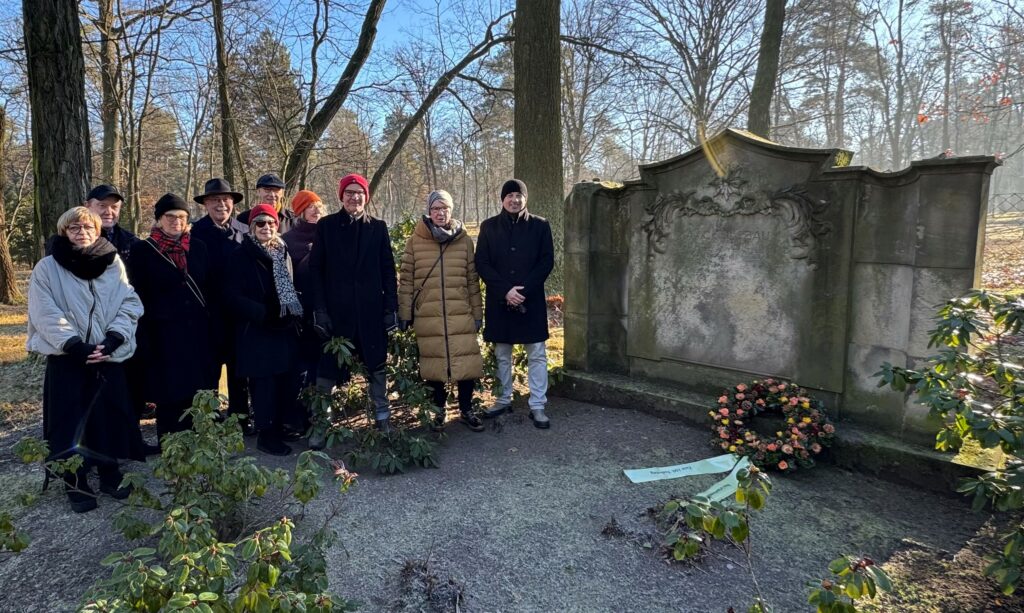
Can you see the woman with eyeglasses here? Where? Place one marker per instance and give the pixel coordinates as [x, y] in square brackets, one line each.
[261, 290]
[439, 296]
[82, 315]
[169, 271]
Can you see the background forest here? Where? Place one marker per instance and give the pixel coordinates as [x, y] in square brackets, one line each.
[891, 80]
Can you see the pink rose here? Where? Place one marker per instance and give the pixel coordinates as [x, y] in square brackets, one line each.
[782, 386]
[725, 444]
[830, 428]
[783, 465]
[723, 411]
[773, 389]
[723, 399]
[723, 433]
[739, 412]
[795, 431]
[816, 448]
[793, 401]
[741, 387]
[760, 402]
[787, 449]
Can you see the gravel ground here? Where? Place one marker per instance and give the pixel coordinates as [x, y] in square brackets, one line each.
[513, 520]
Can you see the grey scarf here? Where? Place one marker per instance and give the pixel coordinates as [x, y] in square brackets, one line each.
[444, 235]
[286, 295]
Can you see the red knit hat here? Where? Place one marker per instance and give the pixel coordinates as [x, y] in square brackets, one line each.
[349, 180]
[262, 209]
[302, 200]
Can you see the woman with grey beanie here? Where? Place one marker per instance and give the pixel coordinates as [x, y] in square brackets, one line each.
[439, 296]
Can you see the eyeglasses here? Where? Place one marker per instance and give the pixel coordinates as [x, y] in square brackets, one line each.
[435, 209]
[78, 229]
[264, 223]
[353, 193]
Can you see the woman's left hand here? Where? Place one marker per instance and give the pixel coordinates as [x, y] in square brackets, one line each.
[97, 356]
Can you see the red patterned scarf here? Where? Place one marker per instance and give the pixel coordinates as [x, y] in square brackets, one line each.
[176, 249]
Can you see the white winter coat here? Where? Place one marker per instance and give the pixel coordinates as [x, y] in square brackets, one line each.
[61, 305]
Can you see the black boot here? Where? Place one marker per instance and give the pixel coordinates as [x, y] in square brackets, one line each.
[471, 421]
[80, 495]
[269, 441]
[110, 482]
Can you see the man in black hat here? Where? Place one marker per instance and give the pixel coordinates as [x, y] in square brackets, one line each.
[270, 190]
[105, 201]
[222, 233]
[514, 256]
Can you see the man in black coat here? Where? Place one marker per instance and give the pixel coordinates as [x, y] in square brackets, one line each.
[355, 288]
[514, 256]
[222, 234]
[105, 201]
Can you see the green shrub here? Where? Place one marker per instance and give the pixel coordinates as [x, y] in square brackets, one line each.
[975, 390]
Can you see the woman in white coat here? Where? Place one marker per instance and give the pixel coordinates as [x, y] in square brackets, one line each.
[82, 315]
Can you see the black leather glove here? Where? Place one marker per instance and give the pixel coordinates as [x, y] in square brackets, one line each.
[390, 321]
[322, 325]
[111, 342]
[77, 348]
[404, 324]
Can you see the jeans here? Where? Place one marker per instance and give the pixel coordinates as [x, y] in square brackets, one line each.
[536, 373]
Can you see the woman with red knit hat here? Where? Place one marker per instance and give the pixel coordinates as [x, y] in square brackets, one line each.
[355, 288]
[262, 292]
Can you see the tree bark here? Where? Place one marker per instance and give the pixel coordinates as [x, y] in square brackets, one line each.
[314, 128]
[110, 110]
[536, 129]
[9, 293]
[60, 123]
[227, 122]
[759, 119]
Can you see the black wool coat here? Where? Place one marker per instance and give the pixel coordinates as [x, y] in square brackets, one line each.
[353, 280]
[219, 245]
[265, 343]
[174, 356]
[510, 254]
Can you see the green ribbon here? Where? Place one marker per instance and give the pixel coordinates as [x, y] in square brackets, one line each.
[722, 489]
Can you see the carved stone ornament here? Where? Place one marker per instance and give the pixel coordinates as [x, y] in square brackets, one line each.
[801, 214]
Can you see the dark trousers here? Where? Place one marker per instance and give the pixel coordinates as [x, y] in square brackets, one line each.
[273, 402]
[169, 417]
[465, 388]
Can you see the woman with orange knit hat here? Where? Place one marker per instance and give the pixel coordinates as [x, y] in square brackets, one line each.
[308, 209]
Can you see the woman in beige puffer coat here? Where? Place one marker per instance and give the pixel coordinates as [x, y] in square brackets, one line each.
[439, 295]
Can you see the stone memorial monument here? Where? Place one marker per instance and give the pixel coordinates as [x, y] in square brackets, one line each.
[744, 259]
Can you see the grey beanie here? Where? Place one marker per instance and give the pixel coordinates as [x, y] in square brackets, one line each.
[442, 195]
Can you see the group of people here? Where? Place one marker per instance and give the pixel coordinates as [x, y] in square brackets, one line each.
[128, 323]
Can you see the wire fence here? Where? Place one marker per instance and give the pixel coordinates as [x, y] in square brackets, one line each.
[1007, 206]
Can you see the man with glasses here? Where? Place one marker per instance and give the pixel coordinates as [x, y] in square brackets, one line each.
[355, 288]
[514, 256]
[105, 201]
[222, 233]
[270, 190]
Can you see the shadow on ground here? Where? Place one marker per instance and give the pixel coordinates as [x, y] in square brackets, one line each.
[513, 520]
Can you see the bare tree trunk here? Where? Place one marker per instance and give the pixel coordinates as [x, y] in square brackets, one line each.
[110, 110]
[315, 127]
[227, 122]
[9, 293]
[759, 120]
[537, 130]
[60, 123]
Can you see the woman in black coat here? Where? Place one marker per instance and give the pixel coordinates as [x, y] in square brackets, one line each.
[262, 294]
[169, 272]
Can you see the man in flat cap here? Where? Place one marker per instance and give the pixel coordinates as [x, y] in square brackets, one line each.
[514, 256]
[270, 190]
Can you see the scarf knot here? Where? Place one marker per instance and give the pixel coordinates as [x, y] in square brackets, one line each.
[176, 249]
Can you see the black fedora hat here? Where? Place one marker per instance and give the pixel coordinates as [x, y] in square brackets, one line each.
[218, 186]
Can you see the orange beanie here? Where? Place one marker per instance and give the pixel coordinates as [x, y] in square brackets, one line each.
[302, 200]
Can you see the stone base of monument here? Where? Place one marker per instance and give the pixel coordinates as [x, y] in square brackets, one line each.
[855, 448]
